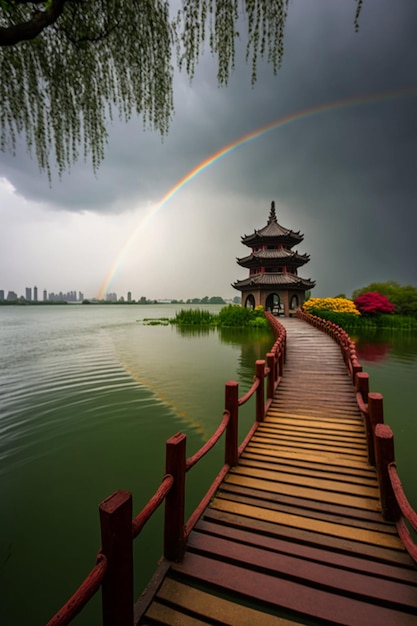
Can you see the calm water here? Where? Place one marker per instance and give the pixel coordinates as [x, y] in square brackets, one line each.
[391, 361]
[88, 396]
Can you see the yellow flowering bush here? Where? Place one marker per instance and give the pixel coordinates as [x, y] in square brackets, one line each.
[334, 305]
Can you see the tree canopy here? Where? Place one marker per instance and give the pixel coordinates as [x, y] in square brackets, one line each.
[403, 297]
[68, 66]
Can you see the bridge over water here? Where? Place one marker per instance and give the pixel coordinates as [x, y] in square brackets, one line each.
[306, 522]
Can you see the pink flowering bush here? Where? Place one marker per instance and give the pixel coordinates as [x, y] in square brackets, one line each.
[372, 303]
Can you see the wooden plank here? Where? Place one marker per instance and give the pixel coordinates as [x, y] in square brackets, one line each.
[313, 422]
[290, 595]
[258, 461]
[298, 521]
[276, 411]
[365, 502]
[305, 570]
[297, 434]
[306, 537]
[320, 555]
[314, 455]
[306, 481]
[314, 428]
[212, 607]
[163, 614]
[319, 463]
[321, 511]
[286, 442]
[336, 437]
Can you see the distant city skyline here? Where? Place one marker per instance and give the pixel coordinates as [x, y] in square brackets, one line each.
[32, 294]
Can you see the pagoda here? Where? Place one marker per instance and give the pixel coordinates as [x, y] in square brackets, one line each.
[273, 280]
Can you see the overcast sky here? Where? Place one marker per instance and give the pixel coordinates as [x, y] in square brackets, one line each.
[345, 176]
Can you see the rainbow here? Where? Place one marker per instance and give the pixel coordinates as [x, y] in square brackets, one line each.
[225, 150]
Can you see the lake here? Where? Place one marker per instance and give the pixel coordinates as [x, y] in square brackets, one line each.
[88, 397]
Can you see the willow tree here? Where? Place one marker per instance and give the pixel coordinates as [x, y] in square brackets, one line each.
[68, 66]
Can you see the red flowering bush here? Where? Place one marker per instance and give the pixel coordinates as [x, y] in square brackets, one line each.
[371, 303]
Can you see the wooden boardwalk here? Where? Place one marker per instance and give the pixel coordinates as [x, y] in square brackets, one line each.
[295, 533]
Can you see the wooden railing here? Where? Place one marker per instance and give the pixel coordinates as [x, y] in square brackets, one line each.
[113, 571]
[379, 436]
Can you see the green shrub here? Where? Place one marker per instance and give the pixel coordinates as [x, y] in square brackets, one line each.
[194, 317]
[235, 316]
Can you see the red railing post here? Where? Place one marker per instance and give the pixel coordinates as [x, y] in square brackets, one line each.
[362, 385]
[356, 367]
[376, 416]
[384, 454]
[275, 352]
[117, 546]
[174, 539]
[362, 388]
[270, 359]
[231, 405]
[281, 360]
[260, 392]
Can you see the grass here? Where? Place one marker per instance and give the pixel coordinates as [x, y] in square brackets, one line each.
[231, 316]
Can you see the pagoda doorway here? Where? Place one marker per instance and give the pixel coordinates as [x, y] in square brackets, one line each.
[273, 303]
[294, 303]
[250, 302]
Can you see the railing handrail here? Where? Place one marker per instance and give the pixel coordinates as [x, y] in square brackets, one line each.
[169, 483]
[190, 462]
[152, 505]
[90, 585]
[380, 439]
[248, 395]
[405, 507]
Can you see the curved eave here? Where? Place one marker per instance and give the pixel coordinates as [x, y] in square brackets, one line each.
[265, 257]
[271, 280]
[273, 233]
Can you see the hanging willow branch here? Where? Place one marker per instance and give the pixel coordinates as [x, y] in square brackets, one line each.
[67, 65]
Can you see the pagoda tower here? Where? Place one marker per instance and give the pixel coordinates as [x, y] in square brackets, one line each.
[273, 280]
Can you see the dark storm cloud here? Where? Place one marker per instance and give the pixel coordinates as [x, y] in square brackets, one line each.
[345, 176]
[324, 60]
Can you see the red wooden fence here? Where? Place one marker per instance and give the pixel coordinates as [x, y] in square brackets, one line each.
[113, 571]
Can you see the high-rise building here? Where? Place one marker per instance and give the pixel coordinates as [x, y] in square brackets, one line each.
[129, 296]
[35, 294]
[45, 295]
[1, 294]
[28, 294]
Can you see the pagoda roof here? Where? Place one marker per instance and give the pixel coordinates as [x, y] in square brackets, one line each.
[280, 254]
[271, 279]
[273, 232]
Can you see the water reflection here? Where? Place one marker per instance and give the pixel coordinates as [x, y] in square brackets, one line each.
[372, 351]
[390, 359]
[382, 345]
[194, 331]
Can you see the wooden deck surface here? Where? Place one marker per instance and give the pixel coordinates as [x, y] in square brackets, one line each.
[295, 534]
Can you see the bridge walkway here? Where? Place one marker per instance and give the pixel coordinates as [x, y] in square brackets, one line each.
[295, 534]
